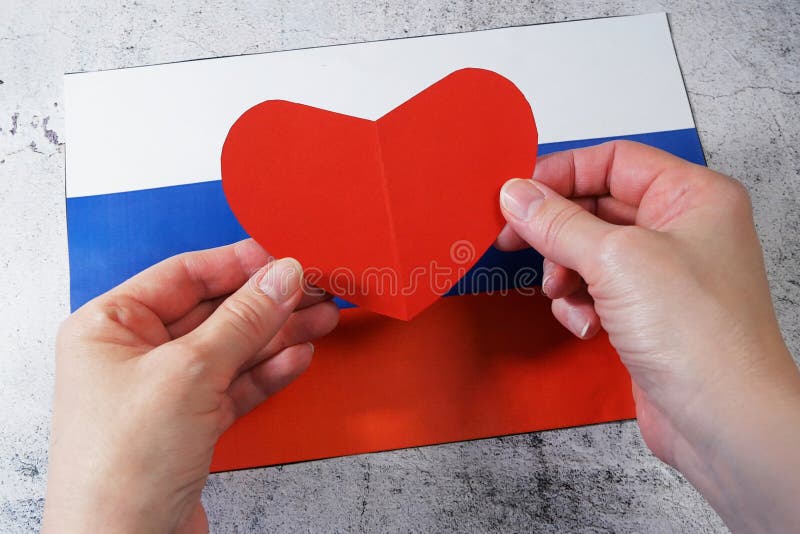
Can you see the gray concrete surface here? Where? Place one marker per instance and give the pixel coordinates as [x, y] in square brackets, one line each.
[742, 67]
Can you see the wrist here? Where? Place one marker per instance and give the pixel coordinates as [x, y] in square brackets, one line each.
[742, 456]
[88, 512]
[88, 498]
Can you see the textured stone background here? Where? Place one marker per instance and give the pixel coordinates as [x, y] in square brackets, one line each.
[742, 68]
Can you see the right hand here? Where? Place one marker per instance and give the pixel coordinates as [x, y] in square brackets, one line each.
[663, 254]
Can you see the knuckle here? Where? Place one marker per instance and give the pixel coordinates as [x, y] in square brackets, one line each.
[93, 321]
[190, 361]
[184, 259]
[92, 317]
[621, 144]
[554, 224]
[737, 196]
[726, 191]
[65, 331]
[245, 316]
[190, 262]
[725, 195]
[619, 245]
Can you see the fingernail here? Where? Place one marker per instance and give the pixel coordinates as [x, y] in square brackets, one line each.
[311, 345]
[520, 198]
[281, 279]
[585, 330]
[546, 285]
[578, 324]
[547, 275]
[536, 172]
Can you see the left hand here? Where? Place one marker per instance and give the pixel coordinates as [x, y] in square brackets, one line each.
[150, 374]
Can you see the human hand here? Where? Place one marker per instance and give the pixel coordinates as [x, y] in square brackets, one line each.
[150, 374]
[664, 255]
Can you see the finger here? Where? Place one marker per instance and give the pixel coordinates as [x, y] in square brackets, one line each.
[576, 312]
[608, 208]
[203, 311]
[615, 211]
[509, 240]
[246, 321]
[194, 318]
[254, 386]
[301, 327]
[622, 169]
[558, 228]
[306, 325]
[312, 297]
[176, 285]
[558, 281]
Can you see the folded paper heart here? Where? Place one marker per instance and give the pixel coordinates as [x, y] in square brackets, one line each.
[387, 214]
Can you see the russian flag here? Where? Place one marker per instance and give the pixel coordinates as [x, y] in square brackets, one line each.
[143, 184]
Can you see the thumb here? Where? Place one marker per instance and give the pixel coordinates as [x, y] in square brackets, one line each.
[558, 228]
[247, 320]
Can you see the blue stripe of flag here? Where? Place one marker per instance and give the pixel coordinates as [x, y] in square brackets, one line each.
[114, 236]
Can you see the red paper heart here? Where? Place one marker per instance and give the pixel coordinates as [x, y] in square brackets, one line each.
[387, 214]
